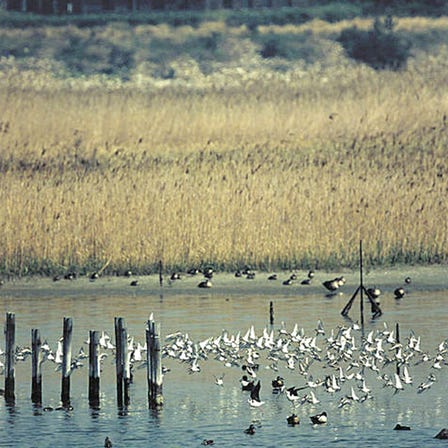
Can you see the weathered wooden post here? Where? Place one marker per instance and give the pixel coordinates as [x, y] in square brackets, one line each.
[126, 366]
[10, 332]
[154, 365]
[119, 360]
[271, 313]
[66, 361]
[36, 367]
[94, 369]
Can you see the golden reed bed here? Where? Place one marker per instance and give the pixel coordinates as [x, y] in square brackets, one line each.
[276, 171]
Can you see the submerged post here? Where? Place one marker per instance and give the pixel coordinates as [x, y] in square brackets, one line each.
[66, 361]
[119, 360]
[94, 369]
[36, 370]
[10, 331]
[271, 313]
[154, 365]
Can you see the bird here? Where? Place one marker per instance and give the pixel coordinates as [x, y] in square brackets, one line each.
[246, 384]
[250, 430]
[219, 380]
[293, 420]
[205, 283]
[319, 419]
[374, 293]
[399, 293]
[333, 285]
[254, 399]
[273, 277]
[107, 443]
[399, 427]
[207, 442]
[408, 280]
[134, 283]
[278, 385]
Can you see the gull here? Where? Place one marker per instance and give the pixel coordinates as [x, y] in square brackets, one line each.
[312, 398]
[424, 386]
[219, 380]
[397, 383]
[406, 377]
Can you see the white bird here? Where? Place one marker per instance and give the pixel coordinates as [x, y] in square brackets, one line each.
[219, 380]
[407, 379]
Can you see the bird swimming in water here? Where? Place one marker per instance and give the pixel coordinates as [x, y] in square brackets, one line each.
[250, 430]
[246, 384]
[399, 293]
[207, 442]
[293, 420]
[319, 419]
[107, 443]
[254, 399]
[207, 283]
[399, 427]
[278, 385]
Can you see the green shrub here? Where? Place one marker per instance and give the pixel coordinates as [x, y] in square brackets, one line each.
[380, 47]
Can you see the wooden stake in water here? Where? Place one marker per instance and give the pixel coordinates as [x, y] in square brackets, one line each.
[66, 361]
[361, 285]
[154, 365]
[126, 366]
[36, 370]
[10, 331]
[94, 369]
[119, 359]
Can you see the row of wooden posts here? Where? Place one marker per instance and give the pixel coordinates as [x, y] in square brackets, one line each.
[122, 363]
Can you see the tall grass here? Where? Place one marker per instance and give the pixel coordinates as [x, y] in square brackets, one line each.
[276, 170]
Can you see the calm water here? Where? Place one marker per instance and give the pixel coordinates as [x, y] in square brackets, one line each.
[195, 408]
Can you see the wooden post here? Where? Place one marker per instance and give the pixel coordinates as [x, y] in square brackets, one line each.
[66, 361]
[271, 313]
[36, 370]
[94, 369]
[126, 366]
[397, 339]
[10, 331]
[154, 366]
[119, 360]
[160, 273]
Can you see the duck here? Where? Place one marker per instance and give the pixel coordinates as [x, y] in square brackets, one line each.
[250, 430]
[254, 399]
[374, 293]
[207, 442]
[399, 293]
[207, 283]
[175, 276]
[208, 272]
[107, 443]
[399, 427]
[319, 419]
[278, 385]
[288, 281]
[246, 384]
[273, 277]
[134, 283]
[293, 420]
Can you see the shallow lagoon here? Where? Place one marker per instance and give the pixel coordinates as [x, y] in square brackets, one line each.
[195, 408]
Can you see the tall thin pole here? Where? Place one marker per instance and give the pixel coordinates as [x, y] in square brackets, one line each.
[94, 369]
[361, 285]
[66, 361]
[10, 331]
[36, 370]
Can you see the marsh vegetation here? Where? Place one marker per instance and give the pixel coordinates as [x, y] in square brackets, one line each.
[222, 155]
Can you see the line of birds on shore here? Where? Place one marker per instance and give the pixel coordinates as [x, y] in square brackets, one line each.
[331, 285]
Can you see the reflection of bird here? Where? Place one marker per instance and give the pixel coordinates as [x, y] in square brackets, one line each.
[293, 420]
[319, 419]
[254, 399]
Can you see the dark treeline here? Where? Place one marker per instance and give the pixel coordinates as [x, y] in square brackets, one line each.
[193, 12]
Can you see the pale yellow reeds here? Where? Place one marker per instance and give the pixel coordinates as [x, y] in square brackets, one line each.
[275, 170]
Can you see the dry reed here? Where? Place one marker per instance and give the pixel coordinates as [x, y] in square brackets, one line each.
[277, 171]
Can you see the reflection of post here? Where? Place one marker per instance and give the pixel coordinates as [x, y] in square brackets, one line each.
[160, 273]
[154, 366]
[66, 361]
[36, 370]
[271, 313]
[10, 331]
[94, 369]
[361, 284]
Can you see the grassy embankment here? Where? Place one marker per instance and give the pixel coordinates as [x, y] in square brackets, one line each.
[235, 159]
